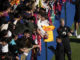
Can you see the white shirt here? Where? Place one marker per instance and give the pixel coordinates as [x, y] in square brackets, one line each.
[9, 34]
[41, 24]
[5, 48]
[4, 27]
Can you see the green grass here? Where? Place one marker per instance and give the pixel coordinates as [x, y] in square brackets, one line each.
[75, 47]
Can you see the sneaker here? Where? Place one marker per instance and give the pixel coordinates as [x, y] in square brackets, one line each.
[75, 33]
[78, 36]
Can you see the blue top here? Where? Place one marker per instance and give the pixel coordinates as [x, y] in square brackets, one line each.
[13, 42]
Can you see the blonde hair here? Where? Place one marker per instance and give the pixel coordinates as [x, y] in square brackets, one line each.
[61, 20]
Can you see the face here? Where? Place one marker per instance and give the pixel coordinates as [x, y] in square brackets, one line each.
[27, 35]
[62, 23]
[58, 40]
[16, 37]
[42, 18]
[4, 43]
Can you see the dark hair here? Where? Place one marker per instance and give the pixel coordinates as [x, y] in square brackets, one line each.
[3, 20]
[44, 15]
[5, 39]
[17, 15]
[32, 18]
[3, 33]
[27, 8]
[58, 37]
[21, 8]
[39, 12]
[4, 5]
[11, 17]
[27, 31]
[42, 9]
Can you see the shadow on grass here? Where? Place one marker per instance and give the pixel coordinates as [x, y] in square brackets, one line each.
[75, 40]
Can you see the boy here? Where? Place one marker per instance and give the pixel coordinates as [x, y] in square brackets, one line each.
[13, 47]
[59, 51]
[27, 46]
[43, 22]
[5, 49]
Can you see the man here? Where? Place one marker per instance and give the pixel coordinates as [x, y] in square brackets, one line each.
[77, 16]
[64, 32]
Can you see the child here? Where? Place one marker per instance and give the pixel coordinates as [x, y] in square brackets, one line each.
[5, 49]
[27, 46]
[59, 51]
[37, 38]
[31, 24]
[13, 47]
[43, 22]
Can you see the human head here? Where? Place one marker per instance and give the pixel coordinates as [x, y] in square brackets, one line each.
[27, 33]
[5, 41]
[43, 16]
[62, 22]
[32, 19]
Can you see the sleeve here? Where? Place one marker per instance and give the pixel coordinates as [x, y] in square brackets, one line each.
[4, 27]
[59, 31]
[37, 2]
[41, 29]
[69, 30]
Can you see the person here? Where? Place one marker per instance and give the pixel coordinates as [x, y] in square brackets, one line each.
[43, 22]
[77, 16]
[18, 21]
[13, 48]
[59, 51]
[31, 24]
[64, 32]
[26, 48]
[37, 38]
[5, 49]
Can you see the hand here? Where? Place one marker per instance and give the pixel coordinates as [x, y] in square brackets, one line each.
[27, 50]
[45, 36]
[17, 57]
[34, 46]
[69, 34]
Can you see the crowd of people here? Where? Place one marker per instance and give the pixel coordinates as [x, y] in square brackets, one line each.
[22, 27]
